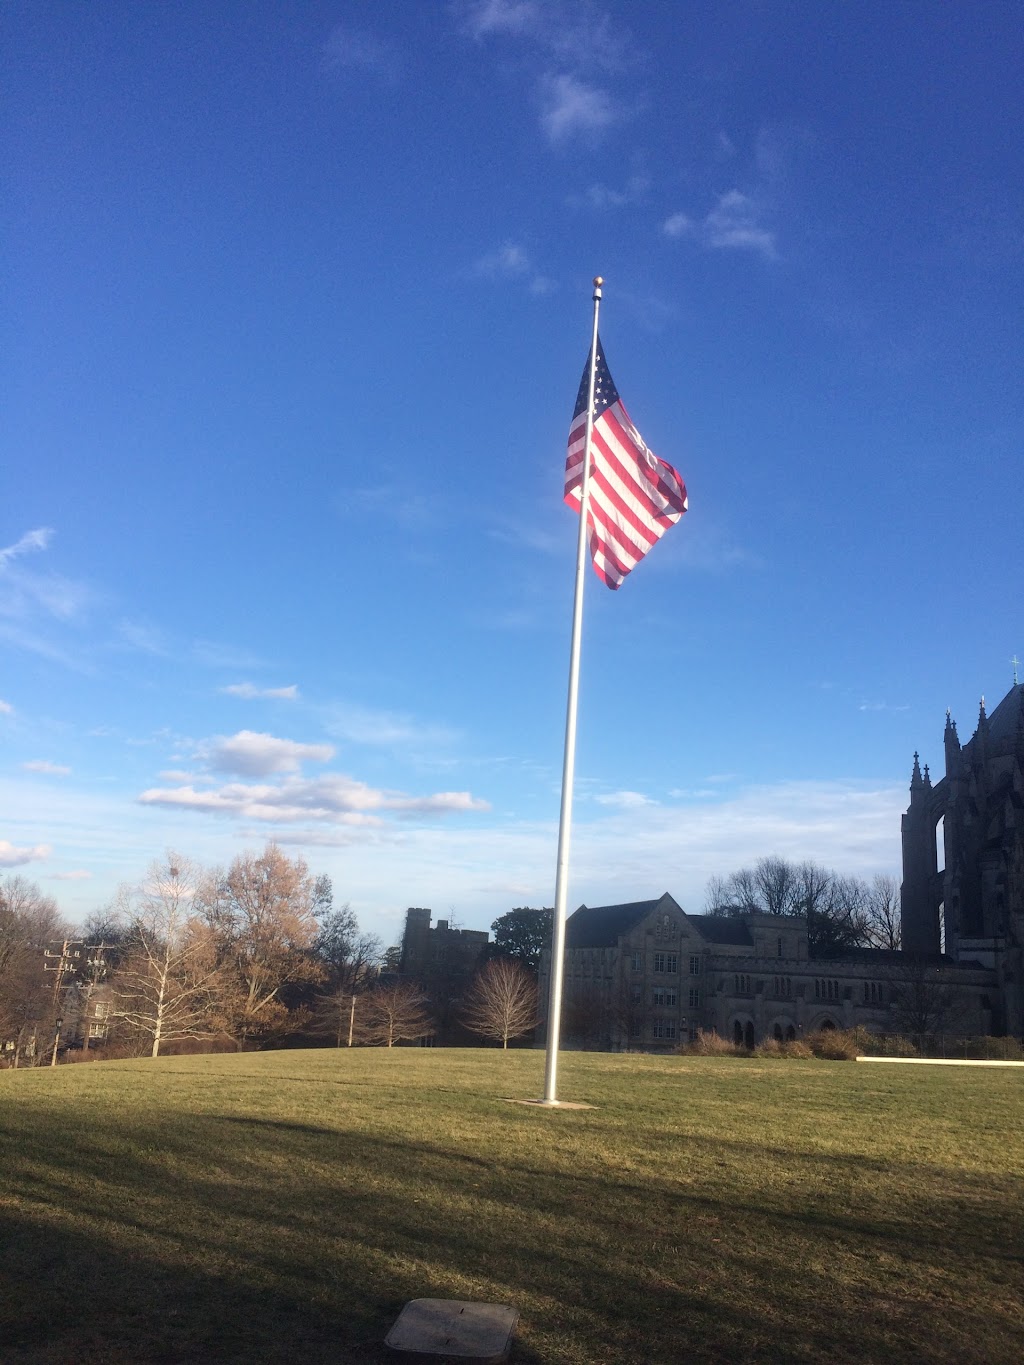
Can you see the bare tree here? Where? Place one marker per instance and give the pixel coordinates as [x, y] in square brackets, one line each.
[350, 975]
[502, 1001]
[883, 911]
[394, 1012]
[29, 920]
[165, 985]
[925, 1004]
[835, 907]
[262, 914]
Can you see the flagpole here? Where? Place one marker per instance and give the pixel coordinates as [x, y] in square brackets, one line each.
[569, 754]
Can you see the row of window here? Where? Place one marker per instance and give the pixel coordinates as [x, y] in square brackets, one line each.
[664, 1029]
[783, 985]
[744, 985]
[663, 962]
[667, 995]
[826, 990]
[873, 992]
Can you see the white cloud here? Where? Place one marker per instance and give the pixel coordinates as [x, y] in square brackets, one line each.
[249, 691]
[346, 50]
[512, 262]
[41, 765]
[333, 798]
[516, 17]
[363, 725]
[13, 856]
[146, 639]
[6, 709]
[77, 876]
[572, 108]
[604, 198]
[732, 223]
[25, 595]
[31, 540]
[678, 225]
[880, 706]
[625, 800]
[258, 755]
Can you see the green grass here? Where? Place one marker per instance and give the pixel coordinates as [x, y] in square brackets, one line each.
[281, 1207]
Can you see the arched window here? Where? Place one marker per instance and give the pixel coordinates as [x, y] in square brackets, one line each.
[790, 1033]
[737, 1033]
[778, 1033]
[748, 1035]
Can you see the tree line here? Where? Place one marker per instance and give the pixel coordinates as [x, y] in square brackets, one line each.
[250, 955]
[841, 912]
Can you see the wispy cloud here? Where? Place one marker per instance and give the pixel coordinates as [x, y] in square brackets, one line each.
[511, 261]
[518, 18]
[348, 50]
[30, 541]
[250, 692]
[399, 504]
[6, 709]
[41, 765]
[218, 654]
[259, 755]
[625, 800]
[366, 725]
[334, 798]
[563, 46]
[13, 856]
[146, 639]
[880, 706]
[605, 197]
[571, 107]
[77, 876]
[25, 594]
[734, 222]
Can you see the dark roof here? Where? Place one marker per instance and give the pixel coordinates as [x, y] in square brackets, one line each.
[601, 926]
[1003, 722]
[724, 929]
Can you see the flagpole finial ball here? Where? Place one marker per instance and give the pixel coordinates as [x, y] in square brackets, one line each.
[598, 281]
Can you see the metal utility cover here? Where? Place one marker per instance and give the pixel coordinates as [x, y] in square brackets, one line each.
[449, 1327]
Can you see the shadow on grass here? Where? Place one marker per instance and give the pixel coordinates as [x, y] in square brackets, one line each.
[241, 1238]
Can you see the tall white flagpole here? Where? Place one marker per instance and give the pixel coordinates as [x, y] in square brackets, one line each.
[569, 756]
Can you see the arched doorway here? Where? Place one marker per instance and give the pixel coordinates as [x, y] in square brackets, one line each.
[737, 1033]
[790, 1034]
[777, 1033]
[748, 1036]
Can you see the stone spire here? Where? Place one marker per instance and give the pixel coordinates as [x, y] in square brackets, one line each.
[951, 740]
[916, 780]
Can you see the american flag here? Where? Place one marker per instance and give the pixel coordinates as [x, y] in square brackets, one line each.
[633, 497]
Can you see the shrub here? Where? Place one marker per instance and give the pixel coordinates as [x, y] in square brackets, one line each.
[834, 1045]
[796, 1048]
[709, 1044]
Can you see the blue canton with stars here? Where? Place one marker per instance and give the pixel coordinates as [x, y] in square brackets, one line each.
[605, 392]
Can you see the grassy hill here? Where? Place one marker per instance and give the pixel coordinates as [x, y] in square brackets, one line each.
[283, 1206]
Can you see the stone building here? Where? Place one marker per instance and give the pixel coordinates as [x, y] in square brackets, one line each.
[442, 960]
[648, 976]
[971, 904]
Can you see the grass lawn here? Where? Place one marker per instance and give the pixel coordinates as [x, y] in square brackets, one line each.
[281, 1207]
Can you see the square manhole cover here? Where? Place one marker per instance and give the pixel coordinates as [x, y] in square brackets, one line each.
[449, 1327]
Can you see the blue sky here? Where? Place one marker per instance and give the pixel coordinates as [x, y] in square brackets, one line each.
[299, 303]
